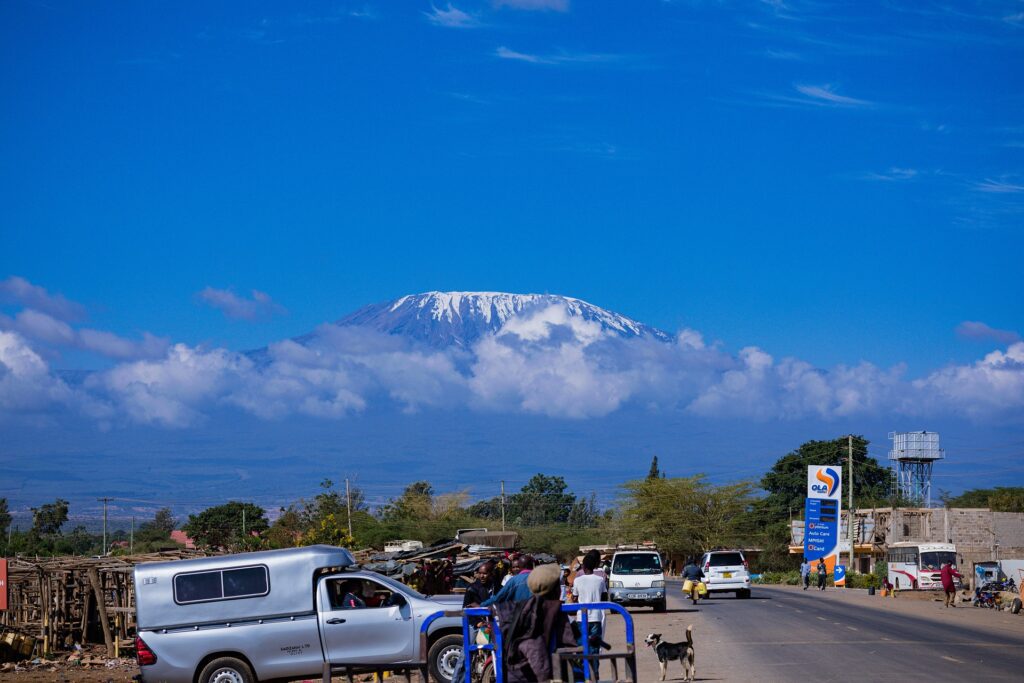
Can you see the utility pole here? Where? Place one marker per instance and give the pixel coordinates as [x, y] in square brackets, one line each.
[849, 501]
[503, 505]
[348, 506]
[131, 538]
[104, 501]
[243, 520]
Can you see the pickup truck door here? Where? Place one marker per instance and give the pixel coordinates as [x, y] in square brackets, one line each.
[365, 634]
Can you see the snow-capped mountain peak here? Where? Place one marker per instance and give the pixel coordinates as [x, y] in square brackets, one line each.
[461, 318]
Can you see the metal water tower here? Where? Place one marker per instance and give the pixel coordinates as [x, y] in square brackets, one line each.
[912, 456]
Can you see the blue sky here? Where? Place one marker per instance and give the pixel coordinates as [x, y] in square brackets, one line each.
[659, 159]
[835, 182]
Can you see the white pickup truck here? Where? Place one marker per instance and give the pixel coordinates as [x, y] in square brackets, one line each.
[283, 614]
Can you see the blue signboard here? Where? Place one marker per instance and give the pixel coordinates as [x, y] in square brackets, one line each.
[839, 577]
[821, 527]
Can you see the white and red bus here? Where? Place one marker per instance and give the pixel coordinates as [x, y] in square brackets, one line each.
[916, 566]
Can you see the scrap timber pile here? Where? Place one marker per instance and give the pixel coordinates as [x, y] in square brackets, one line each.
[56, 603]
[446, 566]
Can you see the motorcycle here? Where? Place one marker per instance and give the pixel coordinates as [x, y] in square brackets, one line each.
[695, 589]
[985, 598]
[1005, 585]
[483, 660]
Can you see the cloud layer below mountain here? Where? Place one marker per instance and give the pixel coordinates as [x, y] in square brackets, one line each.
[545, 363]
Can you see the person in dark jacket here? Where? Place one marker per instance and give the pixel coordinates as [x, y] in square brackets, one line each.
[483, 586]
[694, 574]
[482, 589]
[822, 573]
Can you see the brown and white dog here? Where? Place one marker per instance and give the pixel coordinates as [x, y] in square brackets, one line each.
[666, 652]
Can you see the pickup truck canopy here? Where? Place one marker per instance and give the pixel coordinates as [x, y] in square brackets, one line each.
[272, 583]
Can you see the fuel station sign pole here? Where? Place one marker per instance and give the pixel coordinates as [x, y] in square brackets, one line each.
[822, 512]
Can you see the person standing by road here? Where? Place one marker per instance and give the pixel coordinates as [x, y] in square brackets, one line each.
[948, 573]
[822, 573]
[805, 573]
[589, 588]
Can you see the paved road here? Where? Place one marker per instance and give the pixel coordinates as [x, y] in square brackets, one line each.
[786, 634]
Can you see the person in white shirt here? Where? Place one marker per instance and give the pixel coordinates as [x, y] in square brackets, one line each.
[589, 588]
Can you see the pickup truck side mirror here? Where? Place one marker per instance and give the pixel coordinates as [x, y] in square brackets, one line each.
[396, 600]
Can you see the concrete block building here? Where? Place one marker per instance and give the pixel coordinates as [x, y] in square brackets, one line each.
[979, 534]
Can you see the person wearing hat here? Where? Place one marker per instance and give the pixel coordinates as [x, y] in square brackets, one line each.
[544, 581]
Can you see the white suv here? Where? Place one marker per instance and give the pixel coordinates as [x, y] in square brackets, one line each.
[725, 571]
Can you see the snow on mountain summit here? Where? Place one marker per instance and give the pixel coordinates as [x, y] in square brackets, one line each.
[461, 318]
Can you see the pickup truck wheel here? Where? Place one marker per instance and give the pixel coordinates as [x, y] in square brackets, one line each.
[227, 670]
[443, 656]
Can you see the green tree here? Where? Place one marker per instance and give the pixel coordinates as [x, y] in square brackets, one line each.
[542, 500]
[220, 527]
[78, 542]
[489, 508]
[786, 487]
[49, 518]
[654, 472]
[157, 529]
[5, 516]
[998, 499]
[325, 518]
[584, 513]
[415, 503]
[786, 482]
[164, 521]
[286, 531]
[685, 515]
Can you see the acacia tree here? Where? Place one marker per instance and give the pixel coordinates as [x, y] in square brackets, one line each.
[685, 515]
[49, 518]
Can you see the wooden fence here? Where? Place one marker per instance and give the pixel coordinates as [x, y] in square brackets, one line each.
[56, 602]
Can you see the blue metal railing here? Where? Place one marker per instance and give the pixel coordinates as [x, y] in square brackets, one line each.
[469, 646]
[585, 629]
[496, 645]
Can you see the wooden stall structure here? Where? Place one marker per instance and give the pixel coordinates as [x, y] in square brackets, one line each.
[56, 602]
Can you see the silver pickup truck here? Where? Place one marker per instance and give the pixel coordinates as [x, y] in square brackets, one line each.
[282, 614]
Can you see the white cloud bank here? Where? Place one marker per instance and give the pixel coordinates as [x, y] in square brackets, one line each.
[549, 363]
[44, 320]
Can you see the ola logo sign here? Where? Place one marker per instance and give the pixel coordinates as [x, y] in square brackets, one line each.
[823, 482]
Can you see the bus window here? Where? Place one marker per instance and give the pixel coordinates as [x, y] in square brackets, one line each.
[933, 560]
